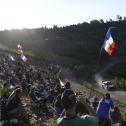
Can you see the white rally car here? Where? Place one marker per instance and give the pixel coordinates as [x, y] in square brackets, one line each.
[108, 85]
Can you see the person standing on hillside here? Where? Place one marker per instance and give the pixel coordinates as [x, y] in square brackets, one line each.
[102, 110]
[69, 116]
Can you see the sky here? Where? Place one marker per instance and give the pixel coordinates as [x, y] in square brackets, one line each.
[18, 14]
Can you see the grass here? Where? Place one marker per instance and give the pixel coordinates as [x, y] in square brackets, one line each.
[53, 57]
[50, 56]
[52, 122]
[14, 50]
[118, 70]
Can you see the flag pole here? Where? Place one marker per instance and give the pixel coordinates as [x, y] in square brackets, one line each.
[99, 58]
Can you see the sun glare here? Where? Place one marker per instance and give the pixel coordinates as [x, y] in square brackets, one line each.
[15, 14]
[21, 14]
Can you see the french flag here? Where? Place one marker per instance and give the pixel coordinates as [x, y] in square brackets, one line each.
[19, 46]
[23, 57]
[11, 57]
[109, 43]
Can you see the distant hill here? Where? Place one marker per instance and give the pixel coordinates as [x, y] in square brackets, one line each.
[75, 46]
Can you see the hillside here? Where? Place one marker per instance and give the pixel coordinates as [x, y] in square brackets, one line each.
[75, 46]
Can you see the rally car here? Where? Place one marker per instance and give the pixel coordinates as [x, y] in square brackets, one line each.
[108, 85]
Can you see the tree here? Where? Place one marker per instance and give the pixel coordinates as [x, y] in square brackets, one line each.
[55, 27]
[101, 21]
[110, 20]
[94, 22]
[118, 17]
[124, 18]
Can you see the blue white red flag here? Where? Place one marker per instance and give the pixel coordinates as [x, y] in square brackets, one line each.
[23, 57]
[11, 57]
[19, 46]
[109, 43]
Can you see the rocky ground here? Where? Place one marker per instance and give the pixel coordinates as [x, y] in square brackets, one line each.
[36, 116]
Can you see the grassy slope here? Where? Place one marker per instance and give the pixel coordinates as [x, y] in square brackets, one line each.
[118, 70]
[13, 50]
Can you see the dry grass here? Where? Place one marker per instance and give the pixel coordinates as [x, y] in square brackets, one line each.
[52, 122]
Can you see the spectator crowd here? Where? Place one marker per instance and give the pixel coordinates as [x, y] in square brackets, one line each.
[41, 85]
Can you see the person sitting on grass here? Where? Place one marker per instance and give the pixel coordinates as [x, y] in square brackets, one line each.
[116, 116]
[69, 116]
